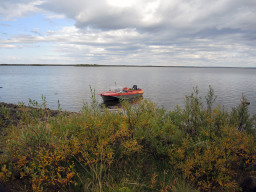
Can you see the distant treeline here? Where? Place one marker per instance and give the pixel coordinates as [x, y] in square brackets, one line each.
[100, 65]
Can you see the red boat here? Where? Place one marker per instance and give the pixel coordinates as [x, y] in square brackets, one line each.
[121, 93]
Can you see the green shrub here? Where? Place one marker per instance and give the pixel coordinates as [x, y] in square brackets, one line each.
[139, 148]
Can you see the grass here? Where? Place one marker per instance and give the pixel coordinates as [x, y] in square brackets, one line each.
[139, 148]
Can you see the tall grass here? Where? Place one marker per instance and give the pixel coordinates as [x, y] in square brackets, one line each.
[139, 148]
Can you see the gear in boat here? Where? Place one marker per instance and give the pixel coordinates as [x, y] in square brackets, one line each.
[118, 93]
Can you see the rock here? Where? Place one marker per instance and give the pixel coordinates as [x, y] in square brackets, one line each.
[249, 184]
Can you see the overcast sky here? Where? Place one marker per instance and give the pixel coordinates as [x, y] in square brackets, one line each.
[129, 32]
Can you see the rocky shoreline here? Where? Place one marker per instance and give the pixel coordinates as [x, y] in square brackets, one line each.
[9, 113]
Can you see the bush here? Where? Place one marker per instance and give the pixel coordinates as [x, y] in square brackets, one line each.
[140, 148]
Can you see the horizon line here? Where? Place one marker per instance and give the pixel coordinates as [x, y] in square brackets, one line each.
[101, 65]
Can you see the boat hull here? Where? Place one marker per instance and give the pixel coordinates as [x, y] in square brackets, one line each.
[122, 94]
[121, 97]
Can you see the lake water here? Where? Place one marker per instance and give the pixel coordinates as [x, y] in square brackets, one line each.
[166, 86]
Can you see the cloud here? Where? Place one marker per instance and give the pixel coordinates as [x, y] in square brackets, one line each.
[18, 8]
[176, 16]
[157, 14]
[153, 32]
[125, 46]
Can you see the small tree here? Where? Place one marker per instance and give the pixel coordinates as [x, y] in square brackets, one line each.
[240, 116]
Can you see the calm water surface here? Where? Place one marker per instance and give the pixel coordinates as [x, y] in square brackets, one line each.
[166, 86]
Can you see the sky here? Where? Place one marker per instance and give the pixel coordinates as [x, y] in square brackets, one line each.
[219, 33]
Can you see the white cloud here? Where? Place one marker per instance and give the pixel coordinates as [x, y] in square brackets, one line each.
[176, 15]
[125, 46]
[18, 8]
[177, 32]
[144, 14]
[56, 16]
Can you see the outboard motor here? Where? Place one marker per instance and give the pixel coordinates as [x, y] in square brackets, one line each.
[134, 87]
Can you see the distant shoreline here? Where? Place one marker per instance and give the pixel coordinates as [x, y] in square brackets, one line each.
[98, 65]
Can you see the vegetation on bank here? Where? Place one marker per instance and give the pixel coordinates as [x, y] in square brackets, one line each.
[139, 148]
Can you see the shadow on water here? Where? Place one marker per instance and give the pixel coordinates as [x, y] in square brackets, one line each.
[117, 104]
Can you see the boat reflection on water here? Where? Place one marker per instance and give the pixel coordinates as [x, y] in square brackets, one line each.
[116, 105]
